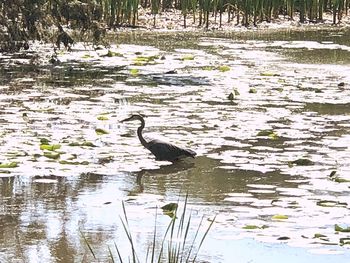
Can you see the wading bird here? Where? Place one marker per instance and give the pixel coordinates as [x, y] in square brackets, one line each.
[161, 150]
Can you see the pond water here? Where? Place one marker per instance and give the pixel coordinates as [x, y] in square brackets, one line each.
[265, 153]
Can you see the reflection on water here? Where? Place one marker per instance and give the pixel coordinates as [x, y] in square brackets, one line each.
[283, 110]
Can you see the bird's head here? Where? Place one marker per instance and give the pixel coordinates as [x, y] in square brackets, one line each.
[133, 118]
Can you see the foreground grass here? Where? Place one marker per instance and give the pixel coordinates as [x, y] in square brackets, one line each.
[178, 244]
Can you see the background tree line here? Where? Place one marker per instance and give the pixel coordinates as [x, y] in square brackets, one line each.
[22, 20]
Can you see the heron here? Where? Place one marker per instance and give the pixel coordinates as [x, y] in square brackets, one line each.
[163, 151]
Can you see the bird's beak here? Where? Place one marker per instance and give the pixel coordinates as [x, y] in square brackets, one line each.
[127, 119]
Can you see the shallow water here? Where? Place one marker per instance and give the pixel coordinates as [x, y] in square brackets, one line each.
[290, 104]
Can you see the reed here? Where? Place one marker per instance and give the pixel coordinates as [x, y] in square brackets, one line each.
[176, 246]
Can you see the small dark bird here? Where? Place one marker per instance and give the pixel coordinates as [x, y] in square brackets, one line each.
[161, 150]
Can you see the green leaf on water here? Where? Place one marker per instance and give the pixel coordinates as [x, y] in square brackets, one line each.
[265, 133]
[269, 74]
[134, 71]
[302, 161]
[102, 118]
[339, 228]
[279, 217]
[224, 68]
[87, 56]
[101, 131]
[74, 162]
[50, 147]
[44, 141]
[231, 96]
[187, 57]
[169, 207]
[251, 227]
[329, 203]
[52, 155]
[208, 68]
[4, 172]
[253, 90]
[344, 241]
[112, 54]
[9, 165]
[318, 235]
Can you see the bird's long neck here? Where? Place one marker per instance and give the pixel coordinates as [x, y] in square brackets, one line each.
[139, 133]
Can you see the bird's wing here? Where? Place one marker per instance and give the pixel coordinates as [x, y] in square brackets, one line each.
[168, 152]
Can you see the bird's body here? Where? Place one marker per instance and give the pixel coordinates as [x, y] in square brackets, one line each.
[163, 151]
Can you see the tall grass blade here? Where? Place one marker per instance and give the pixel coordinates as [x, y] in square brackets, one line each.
[87, 243]
[111, 254]
[204, 236]
[128, 233]
[118, 252]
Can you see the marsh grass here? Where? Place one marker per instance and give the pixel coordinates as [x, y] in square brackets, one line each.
[181, 241]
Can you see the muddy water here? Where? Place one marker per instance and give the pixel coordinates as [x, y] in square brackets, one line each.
[289, 105]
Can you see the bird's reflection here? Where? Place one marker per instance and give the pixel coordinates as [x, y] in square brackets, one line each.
[172, 169]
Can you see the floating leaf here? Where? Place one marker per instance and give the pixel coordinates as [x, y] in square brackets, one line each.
[187, 57]
[44, 141]
[4, 172]
[283, 238]
[236, 92]
[74, 163]
[302, 161]
[101, 131]
[102, 118]
[279, 217]
[339, 228]
[87, 56]
[344, 241]
[134, 71]
[265, 133]
[208, 68]
[169, 207]
[50, 147]
[231, 96]
[9, 165]
[112, 54]
[250, 227]
[52, 155]
[318, 235]
[253, 90]
[328, 203]
[86, 143]
[224, 68]
[269, 74]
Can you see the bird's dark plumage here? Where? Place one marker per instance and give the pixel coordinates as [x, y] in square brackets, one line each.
[163, 151]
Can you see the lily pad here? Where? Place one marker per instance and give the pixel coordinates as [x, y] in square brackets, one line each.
[169, 207]
[279, 217]
[134, 71]
[44, 141]
[9, 165]
[50, 147]
[111, 53]
[86, 143]
[329, 203]
[231, 96]
[187, 57]
[339, 228]
[269, 74]
[52, 155]
[102, 118]
[74, 162]
[302, 162]
[253, 90]
[101, 131]
[252, 227]
[224, 68]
